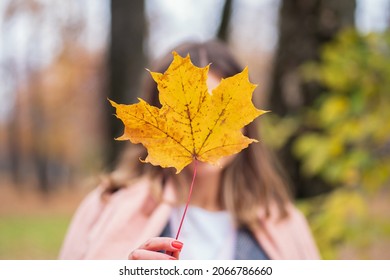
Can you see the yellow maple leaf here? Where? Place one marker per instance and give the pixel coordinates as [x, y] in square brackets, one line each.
[192, 123]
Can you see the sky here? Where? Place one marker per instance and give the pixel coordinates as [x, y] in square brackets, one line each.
[173, 21]
[372, 15]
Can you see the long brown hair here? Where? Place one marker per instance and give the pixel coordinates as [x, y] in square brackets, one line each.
[252, 180]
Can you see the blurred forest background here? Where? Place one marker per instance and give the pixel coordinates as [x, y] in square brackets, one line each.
[323, 68]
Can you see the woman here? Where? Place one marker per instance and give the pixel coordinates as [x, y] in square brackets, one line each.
[241, 210]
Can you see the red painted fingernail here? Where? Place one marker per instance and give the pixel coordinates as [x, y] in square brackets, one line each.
[177, 244]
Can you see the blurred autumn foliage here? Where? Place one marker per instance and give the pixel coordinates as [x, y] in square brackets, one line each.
[344, 139]
[348, 142]
[50, 114]
[348, 139]
[53, 133]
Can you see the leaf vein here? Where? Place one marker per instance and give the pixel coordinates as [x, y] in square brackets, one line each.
[158, 128]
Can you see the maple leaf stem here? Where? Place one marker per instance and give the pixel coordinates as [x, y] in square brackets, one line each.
[188, 200]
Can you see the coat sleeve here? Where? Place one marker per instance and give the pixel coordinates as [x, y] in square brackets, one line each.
[77, 237]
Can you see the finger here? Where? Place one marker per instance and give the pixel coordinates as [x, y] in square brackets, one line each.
[162, 244]
[141, 254]
[174, 254]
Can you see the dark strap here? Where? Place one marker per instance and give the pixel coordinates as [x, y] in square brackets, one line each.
[247, 248]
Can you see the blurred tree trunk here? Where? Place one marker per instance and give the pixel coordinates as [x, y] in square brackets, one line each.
[126, 63]
[223, 31]
[39, 155]
[304, 26]
[14, 151]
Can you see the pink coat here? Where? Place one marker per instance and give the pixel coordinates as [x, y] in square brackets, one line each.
[113, 229]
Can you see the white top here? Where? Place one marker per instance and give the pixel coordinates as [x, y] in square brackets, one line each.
[206, 235]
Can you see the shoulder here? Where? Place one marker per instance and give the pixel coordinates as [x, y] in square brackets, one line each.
[96, 200]
[295, 216]
[301, 232]
[289, 237]
[135, 198]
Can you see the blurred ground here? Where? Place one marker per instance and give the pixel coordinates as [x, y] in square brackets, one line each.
[32, 226]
